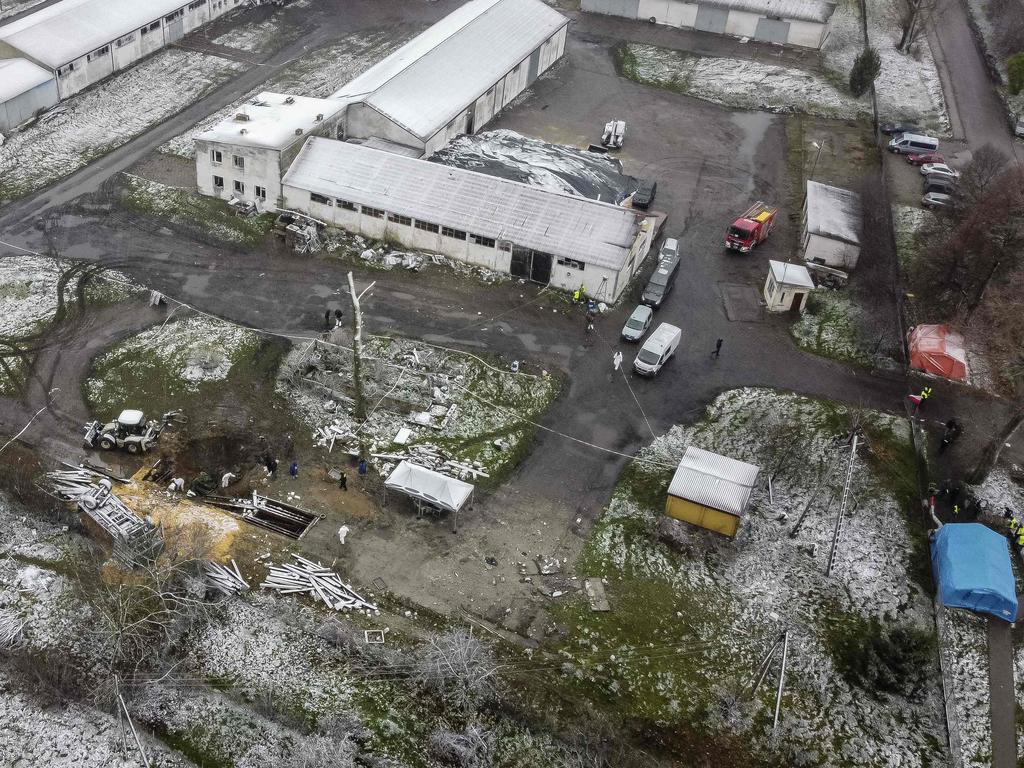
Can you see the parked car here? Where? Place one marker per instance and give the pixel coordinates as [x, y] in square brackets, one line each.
[656, 351]
[892, 129]
[661, 282]
[669, 249]
[644, 195]
[638, 323]
[925, 157]
[941, 184]
[936, 200]
[939, 169]
[913, 144]
[1018, 129]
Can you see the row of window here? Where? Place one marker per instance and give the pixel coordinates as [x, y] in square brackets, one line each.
[152, 27]
[260, 193]
[217, 157]
[426, 226]
[573, 263]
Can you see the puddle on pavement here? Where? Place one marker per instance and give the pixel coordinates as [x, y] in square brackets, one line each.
[754, 126]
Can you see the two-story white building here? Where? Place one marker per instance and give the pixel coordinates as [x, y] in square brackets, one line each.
[548, 237]
[83, 41]
[245, 156]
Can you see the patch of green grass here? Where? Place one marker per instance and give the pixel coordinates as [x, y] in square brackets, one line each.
[192, 746]
[828, 328]
[195, 213]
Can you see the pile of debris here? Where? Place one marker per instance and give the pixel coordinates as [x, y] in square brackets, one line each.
[10, 630]
[133, 539]
[227, 581]
[305, 576]
[277, 516]
[386, 259]
[431, 457]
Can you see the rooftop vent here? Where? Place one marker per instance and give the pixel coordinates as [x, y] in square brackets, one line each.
[241, 117]
[289, 100]
[298, 131]
[319, 117]
[243, 131]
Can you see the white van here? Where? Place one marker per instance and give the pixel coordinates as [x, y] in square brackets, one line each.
[657, 350]
[912, 144]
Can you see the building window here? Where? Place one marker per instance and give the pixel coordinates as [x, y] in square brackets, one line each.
[66, 69]
[376, 213]
[239, 187]
[239, 161]
[98, 52]
[426, 226]
[154, 26]
[399, 219]
[216, 156]
[121, 42]
[315, 198]
[261, 193]
[486, 242]
[196, 4]
[458, 234]
[175, 16]
[346, 205]
[505, 245]
[573, 263]
[218, 182]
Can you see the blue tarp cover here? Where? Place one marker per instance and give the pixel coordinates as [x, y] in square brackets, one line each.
[972, 565]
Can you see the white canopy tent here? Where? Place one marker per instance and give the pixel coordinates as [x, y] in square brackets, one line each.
[430, 487]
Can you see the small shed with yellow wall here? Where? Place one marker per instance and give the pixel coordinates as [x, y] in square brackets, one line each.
[711, 491]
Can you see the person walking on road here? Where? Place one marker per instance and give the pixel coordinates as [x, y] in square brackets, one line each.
[293, 470]
[952, 432]
[617, 359]
[343, 482]
[718, 349]
[926, 392]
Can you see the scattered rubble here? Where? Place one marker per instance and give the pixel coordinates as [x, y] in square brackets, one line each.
[227, 581]
[306, 576]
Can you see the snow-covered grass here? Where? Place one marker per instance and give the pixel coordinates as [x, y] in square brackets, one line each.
[907, 221]
[165, 363]
[318, 74]
[103, 118]
[737, 82]
[260, 36]
[194, 212]
[690, 622]
[966, 660]
[908, 87]
[828, 327]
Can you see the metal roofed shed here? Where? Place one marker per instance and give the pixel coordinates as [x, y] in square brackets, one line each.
[430, 489]
[458, 74]
[787, 286]
[710, 490]
[804, 23]
[495, 223]
[832, 220]
[25, 90]
[972, 566]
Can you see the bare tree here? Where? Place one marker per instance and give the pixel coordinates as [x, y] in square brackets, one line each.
[467, 749]
[913, 14]
[459, 668]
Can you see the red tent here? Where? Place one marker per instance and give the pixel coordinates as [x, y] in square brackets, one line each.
[936, 349]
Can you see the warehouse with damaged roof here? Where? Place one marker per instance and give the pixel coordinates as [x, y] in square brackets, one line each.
[457, 75]
[533, 233]
[804, 23]
[83, 41]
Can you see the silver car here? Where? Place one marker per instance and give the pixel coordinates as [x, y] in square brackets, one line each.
[638, 323]
[936, 200]
[1018, 129]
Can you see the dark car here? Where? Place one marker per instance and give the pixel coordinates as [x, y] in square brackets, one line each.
[892, 129]
[661, 282]
[644, 195]
[939, 184]
[925, 157]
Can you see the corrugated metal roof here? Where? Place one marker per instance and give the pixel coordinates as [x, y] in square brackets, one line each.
[375, 142]
[427, 82]
[801, 10]
[833, 212]
[590, 231]
[64, 31]
[18, 76]
[272, 119]
[714, 481]
[790, 274]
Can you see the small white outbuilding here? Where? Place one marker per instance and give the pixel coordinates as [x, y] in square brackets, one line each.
[787, 287]
[25, 90]
[830, 231]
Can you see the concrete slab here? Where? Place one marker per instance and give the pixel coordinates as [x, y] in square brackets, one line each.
[742, 303]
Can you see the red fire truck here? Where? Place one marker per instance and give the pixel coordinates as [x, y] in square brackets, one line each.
[751, 228]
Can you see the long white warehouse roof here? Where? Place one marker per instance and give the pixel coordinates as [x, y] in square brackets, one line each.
[436, 75]
[833, 212]
[18, 76]
[801, 10]
[564, 225]
[64, 31]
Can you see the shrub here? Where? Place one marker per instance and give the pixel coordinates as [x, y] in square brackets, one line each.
[890, 658]
[865, 70]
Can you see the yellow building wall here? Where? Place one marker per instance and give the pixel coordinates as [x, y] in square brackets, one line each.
[705, 517]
